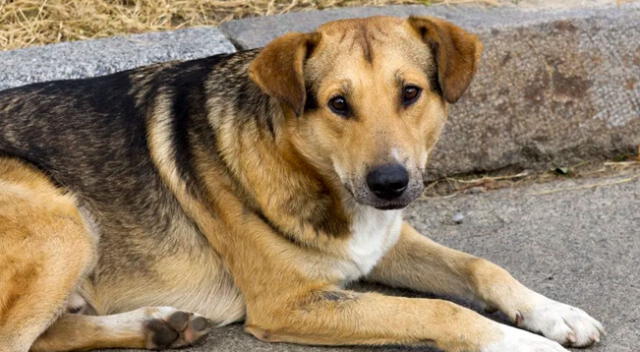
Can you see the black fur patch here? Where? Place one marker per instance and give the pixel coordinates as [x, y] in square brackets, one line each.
[284, 234]
[434, 81]
[311, 101]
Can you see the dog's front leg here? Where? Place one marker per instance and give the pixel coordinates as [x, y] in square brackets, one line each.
[421, 264]
[339, 317]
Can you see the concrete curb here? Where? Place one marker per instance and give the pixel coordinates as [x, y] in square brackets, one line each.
[256, 32]
[556, 87]
[89, 58]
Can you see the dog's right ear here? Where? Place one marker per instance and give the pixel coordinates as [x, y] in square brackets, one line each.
[278, 69]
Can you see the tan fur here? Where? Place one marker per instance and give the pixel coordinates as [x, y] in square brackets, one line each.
[44, 250]
[278, 222]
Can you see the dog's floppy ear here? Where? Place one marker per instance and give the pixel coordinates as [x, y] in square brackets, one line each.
[278, 69]
[457, 53]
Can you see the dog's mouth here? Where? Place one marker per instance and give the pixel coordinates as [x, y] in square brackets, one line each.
[365, 197]
[391, 206]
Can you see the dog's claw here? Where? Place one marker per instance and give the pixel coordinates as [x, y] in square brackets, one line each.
[519, 319]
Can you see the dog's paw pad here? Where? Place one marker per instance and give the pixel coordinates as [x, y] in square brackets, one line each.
[565, 324]
[177, 329]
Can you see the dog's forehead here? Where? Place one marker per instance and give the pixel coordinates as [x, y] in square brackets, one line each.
[357, 45]
[363, 32]
[340, 27]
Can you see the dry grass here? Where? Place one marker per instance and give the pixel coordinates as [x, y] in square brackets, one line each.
[479, 183]
[32, 22]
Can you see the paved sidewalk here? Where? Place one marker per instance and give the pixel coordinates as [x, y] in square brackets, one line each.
[580, 246]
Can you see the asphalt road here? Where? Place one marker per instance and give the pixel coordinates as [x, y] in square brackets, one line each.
[578, 244]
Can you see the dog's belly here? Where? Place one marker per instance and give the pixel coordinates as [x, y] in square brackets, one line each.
[202, 285]
[138, 267]
[193, 282]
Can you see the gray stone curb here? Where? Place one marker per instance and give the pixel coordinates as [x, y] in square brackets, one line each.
[88, 58]
[555, 88]
[256, 32]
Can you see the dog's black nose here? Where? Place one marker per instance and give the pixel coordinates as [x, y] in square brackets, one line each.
[388, 181]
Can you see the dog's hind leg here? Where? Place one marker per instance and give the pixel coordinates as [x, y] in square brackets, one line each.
[149, 327]
[45, 249]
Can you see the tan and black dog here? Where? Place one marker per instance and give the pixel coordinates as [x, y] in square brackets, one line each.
[141, 208]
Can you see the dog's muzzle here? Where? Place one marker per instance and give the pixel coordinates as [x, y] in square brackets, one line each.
[388, 182]
[387, 186]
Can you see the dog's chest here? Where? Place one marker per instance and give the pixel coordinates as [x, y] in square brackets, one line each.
[374, 232]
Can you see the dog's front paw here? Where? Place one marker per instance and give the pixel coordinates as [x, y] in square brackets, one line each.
[563, 323]
[516, 340]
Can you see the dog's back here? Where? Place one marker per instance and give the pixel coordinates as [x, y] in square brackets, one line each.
[90, 135]
[84, 133]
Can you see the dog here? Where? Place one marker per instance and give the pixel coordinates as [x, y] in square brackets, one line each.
[143, 208]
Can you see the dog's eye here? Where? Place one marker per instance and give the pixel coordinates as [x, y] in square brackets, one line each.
[410, 94]
[339, 106]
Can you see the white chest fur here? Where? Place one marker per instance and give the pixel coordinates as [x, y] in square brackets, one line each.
[374, 232]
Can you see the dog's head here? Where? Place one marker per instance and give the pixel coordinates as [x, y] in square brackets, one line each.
[365, 99]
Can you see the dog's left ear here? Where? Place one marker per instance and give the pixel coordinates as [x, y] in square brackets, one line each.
[278, 69]
[457, 53]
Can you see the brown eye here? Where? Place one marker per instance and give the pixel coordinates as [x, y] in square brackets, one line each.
[410, 94]
[339, 106]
